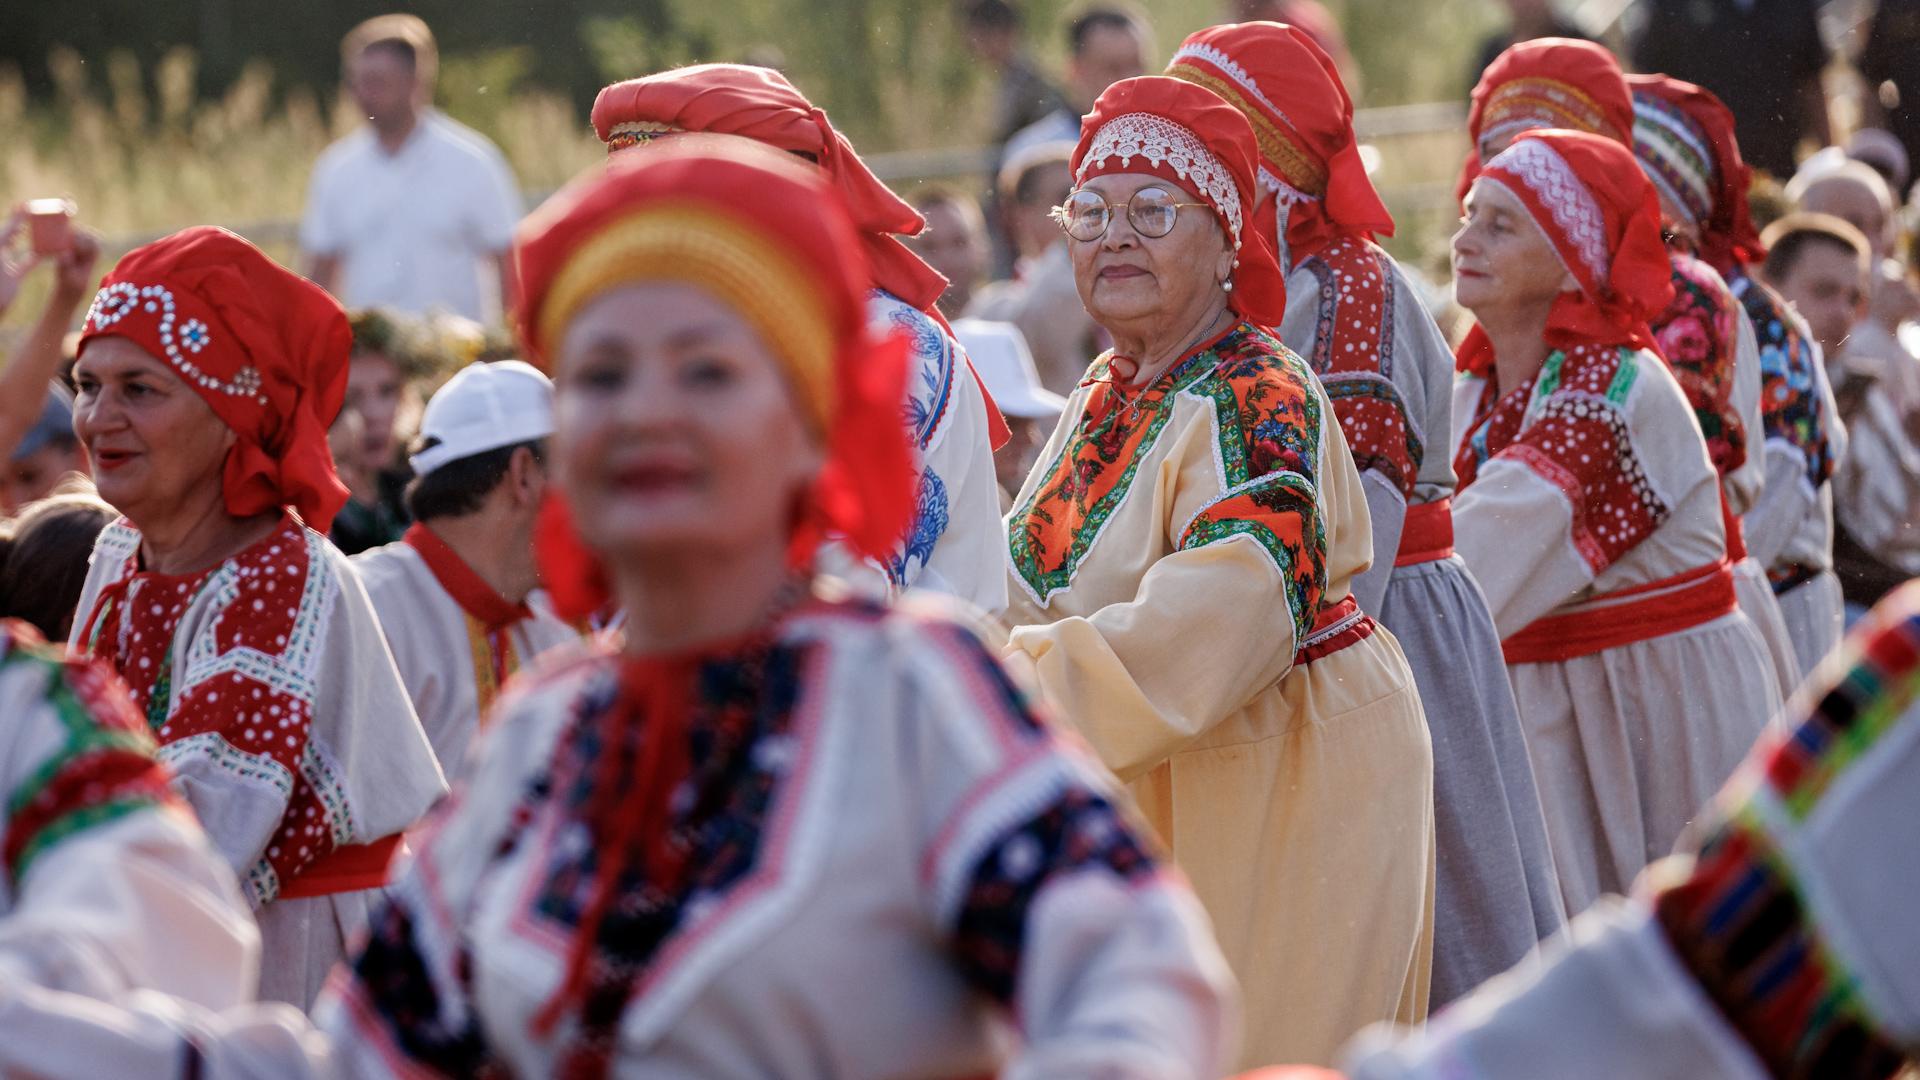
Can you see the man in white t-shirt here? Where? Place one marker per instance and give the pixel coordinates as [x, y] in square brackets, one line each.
[458, 596]
[412, 210]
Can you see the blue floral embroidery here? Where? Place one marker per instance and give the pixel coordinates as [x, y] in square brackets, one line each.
[929, 524]
[934, 360]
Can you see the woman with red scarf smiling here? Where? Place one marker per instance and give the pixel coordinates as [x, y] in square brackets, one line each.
[1356, 318]
[1590, 511]
[779, 831]
[207, 377]
[1183, 560]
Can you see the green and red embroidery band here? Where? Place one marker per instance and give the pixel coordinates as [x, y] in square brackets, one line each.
[1741, 920]
[1268, 422]
[104, 771]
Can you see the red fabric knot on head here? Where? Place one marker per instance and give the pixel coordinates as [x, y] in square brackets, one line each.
[1546, 83]
[1189, 136]
[806, 254]
[1590, 200]
[264, 347]
[1728, 238]
[1309, 158]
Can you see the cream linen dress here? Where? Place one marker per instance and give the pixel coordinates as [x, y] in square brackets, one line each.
[1169, 557]
[1594, 478]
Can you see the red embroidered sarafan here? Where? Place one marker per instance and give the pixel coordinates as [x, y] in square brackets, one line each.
[245, 698]
[1353, 353]
[1569, 427]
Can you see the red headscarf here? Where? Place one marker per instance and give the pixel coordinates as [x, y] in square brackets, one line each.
[1547, 83]
[264, 347]
[1309, 160]
[771, 238]
[760, 104]
[1590, 199]
[1188, 135]
[1691, 116]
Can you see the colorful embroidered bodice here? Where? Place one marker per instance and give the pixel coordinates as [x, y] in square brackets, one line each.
[1699, 337]
[1568, 425]
[1266, 418]
[1791, 407]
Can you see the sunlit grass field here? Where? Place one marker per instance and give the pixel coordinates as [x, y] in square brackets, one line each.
[142, 155]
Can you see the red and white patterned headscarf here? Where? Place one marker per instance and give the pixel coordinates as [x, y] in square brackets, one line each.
[1309, 160]
[1588, 197]
[1190, 136]
[1546, 83]
[264, 347]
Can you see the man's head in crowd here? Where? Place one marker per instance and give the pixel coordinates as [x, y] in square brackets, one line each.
[1105, 44]
[1853, 192]
[480, 465]
[954, 243]
[1819, 263]
[1031, 185]
[993, 30]
[49, 451]
[389, 63]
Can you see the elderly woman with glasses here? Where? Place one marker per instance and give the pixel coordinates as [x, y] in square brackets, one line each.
[1182, 561]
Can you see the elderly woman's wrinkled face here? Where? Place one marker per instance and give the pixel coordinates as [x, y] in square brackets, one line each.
[157, 448]
[1501, 259]
[675, 426]
[1127, 278]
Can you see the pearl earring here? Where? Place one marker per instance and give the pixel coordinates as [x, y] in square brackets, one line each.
[1227, 285]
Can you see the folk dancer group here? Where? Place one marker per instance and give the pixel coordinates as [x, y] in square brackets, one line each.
[1319, 673]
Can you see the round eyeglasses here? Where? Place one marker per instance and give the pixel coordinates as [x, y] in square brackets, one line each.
[1152, 211]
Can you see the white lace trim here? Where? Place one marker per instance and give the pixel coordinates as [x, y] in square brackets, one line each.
[1163, 142]
[1554, 183]
[1232, 70]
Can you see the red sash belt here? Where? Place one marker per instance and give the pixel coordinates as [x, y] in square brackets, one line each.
[1336, 628]
[347, 869]
[1624, 616]
[1427, 535]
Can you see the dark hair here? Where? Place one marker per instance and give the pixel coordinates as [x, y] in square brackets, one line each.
[461, 487]
[1103, 16]
[46, 561]
[993, 15]
[1787, 238]
[933, 194]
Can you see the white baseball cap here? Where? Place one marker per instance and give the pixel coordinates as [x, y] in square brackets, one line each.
[484, 407]
[999, 353]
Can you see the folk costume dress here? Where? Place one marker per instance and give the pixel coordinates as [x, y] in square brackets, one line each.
[455, 640]
[1182, 561]
[954, 544]
[1774, 943]
[1353, 315]
[1590, 512]
[265, 677]
[1684, 139]
[840, 845]
[107, 884]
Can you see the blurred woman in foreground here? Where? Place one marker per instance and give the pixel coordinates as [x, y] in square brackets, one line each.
[780, 832]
